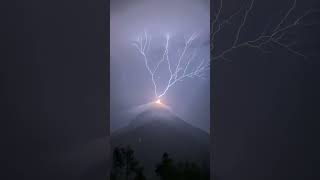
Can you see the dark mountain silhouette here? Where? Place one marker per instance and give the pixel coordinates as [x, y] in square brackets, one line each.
[155, 129]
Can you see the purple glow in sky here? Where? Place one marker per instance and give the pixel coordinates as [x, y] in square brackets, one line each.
[131, 83]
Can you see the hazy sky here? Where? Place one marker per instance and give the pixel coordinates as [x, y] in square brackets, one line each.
[131, 84]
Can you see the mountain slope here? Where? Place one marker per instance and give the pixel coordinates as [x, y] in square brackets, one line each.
[155, 129]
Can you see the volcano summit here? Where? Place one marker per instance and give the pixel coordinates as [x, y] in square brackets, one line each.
[154, 129]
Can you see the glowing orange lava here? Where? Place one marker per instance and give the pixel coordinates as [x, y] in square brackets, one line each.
[158, 101]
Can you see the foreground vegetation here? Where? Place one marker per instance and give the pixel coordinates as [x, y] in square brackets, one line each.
[126, 167]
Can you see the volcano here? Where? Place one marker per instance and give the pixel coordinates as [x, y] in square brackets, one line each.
[155, 129]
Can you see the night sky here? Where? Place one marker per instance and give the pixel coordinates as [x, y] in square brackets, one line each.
[131, 84]
[55, 87]
[265, 106]
[54, 100]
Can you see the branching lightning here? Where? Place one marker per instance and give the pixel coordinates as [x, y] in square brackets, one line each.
[180, 70]
[177, 72]
[275, 36]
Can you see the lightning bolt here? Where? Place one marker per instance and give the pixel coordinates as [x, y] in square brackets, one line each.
[177, 72]
[181, 70]
[275, 36]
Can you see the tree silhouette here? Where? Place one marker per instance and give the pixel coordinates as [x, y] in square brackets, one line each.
[125, 166]
[124, 163]
[117, 163]
[140, 175]
[168, 170]
[131, 164]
